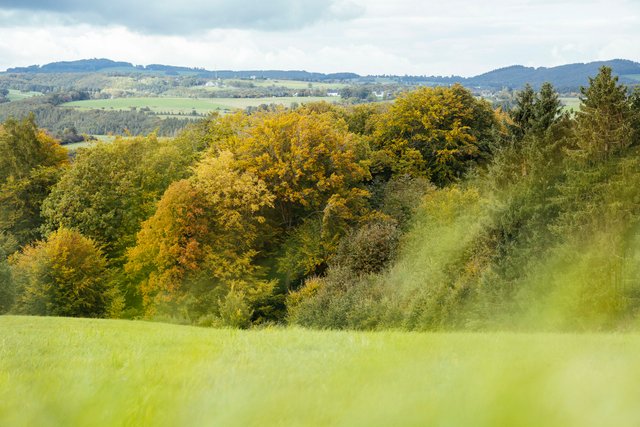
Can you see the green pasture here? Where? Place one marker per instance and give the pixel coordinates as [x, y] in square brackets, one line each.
[290, 84]
[174, 106]
[17, 95]
[99, 138]
[570, 103]
[80, 372]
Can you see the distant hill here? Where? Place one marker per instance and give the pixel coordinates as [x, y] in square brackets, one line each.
[109, 66]
[565, 77]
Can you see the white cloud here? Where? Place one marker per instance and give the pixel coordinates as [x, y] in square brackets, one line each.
[463, 37]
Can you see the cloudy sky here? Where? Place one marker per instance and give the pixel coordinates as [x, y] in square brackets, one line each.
[432, 37]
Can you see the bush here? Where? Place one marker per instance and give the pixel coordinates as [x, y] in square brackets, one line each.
[65, 275]
[370, 248]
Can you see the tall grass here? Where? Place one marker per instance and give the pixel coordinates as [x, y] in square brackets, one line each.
[81, 372]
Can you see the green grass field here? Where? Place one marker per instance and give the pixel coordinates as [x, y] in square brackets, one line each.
[99, 138]
[75, 372]
[187, 105]
[16, 95]
[292, 84]
[571, 104]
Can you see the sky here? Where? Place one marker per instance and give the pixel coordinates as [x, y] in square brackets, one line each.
[461, 37]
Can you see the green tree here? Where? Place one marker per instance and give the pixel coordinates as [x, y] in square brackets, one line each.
[524, 111]
[23, 147]
[440, 132]
[112, 188]
[604, 124]
[546, 109]
[31, 162]
[64, 275]
[8, 245]
[535, 112]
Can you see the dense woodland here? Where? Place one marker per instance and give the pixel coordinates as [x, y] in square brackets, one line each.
[436, 211]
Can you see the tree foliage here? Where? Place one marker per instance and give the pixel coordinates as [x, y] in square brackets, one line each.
[440, 132]
[64, 275]
[604, 124]
[200, 243]
[112, 188]
[31, 162]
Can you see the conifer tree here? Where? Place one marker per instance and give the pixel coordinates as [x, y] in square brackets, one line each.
[546, 109]
[524, 111]
[604, 124]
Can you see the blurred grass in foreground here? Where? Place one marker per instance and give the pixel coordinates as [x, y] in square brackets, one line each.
[66, 372]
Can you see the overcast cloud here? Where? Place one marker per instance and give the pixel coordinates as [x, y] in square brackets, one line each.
[463, 37]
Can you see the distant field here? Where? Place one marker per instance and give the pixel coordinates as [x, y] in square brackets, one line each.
[571, 104]
[16, 95]
[633, 76]
[173, 106]
[100, 138]
[75, 372]
[292, 84]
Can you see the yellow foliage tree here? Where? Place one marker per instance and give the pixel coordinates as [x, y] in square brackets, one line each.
[438, 131]
[200, 243]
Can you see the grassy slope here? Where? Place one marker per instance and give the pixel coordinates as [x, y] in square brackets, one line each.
[186, 105]
[16, 95]
[107, 373]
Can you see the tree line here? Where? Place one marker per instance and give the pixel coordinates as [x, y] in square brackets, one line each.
[434, 211]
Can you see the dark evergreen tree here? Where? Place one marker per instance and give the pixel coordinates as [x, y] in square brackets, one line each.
[546, 109]
[604, 124]
[523, 113]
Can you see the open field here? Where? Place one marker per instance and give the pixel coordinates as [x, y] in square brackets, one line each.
[292, 84]
[99, 138]
[187, 105]
[66, 372]
[16, 95]
[571, 104]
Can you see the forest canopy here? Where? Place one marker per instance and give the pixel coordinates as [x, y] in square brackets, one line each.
[435, 211]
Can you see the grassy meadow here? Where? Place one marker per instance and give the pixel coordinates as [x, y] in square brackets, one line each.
[570, 103]
[81, 372]
[17, 95]
[174, 106]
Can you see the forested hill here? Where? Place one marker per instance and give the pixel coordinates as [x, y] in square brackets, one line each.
[565, 77]
[562, 77]
[109, 66]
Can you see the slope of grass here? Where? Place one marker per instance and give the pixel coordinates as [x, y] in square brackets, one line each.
[187, 105]
[74, 372]
[17, 95]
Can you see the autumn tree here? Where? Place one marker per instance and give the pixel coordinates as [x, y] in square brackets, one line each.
[305, 158]
[198, 247]
[112, 188]
[64, 275]
[31, 162]
[439, 132]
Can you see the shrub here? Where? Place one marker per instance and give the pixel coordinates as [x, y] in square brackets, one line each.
[370, 248]
[65, 275]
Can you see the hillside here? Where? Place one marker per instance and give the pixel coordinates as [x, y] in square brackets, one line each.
[565, 78]
[79, 372]
[109, 66]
